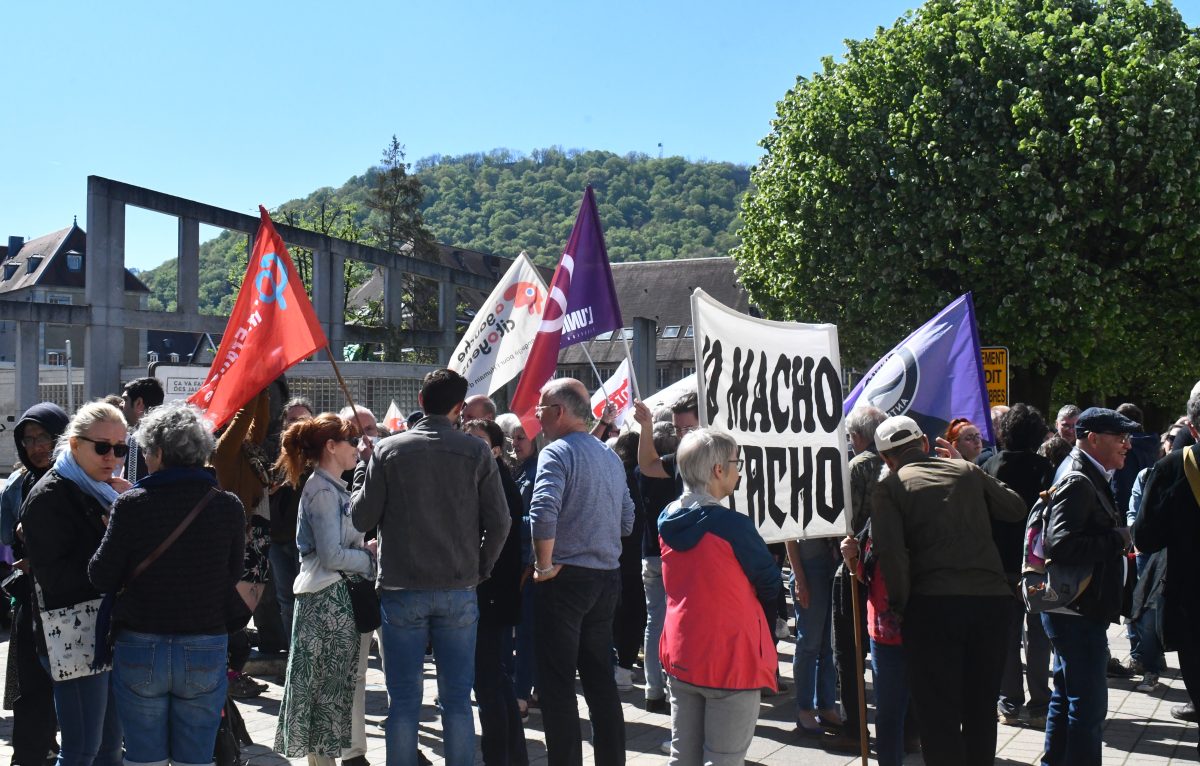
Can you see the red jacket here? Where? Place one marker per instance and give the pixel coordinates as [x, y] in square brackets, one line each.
[715, 569]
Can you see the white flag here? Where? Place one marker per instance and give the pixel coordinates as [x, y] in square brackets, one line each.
[619, 390]
[395, 420]
[494, 349]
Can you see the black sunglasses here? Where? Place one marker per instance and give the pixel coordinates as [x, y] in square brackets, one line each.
[351, 440]
[102, 448]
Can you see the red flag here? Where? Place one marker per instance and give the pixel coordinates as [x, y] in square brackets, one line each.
[583, 308]
[272, 327]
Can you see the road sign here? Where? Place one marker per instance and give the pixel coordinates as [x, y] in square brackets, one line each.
[179, 381]
[995, 373]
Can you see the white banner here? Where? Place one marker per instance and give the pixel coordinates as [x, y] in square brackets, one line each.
[494, 349]
[394, 420]
[776, 387]
[619, 389]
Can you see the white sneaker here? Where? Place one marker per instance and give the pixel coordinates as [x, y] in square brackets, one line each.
[624, 679]
[781, 629]
[665, 747]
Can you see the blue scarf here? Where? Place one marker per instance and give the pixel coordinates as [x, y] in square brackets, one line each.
[67, 468]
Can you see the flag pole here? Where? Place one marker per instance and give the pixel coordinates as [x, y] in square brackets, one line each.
[584, 346]
[346, 391]
[858, 663]
[632, 371]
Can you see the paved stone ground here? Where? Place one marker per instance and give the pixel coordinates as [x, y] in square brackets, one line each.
[1139, 729]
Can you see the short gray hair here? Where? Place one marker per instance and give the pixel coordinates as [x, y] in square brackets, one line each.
[299, 401]
[180, 434]
[564, 391]
[1068, 411]
[508, 423]
[347, 412]
[1193, 408]
[862, 422]
[699, 451]
[84, 418]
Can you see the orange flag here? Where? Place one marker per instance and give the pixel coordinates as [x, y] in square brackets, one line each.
[272, 327]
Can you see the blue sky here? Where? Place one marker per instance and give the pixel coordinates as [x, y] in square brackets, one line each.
[236, 104]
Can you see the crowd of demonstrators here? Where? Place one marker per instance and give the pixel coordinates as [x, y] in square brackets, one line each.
[169, 623]
[27, 689]
[525, 570]
[717, 645]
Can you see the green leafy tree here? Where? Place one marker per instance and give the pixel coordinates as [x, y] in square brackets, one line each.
[1042, 153]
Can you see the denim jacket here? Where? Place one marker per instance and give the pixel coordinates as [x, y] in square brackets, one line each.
[327, 539]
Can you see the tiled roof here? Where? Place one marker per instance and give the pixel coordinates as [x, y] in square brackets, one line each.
[43, 262]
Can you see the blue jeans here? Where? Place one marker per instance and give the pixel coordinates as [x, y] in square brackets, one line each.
[656, 615]
[891, 701]
[169, 692]
[812, 666]
[285, 565]
[1146, 648]
[411, 618]
[1080, 700]
[525, 660]
[87, 721]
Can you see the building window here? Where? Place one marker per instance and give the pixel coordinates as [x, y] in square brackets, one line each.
[56, 358]
[687, 371]
[60, 299]
[689, 333]
[664, 377]
[74, 260]
[627, 333]
[671, 331]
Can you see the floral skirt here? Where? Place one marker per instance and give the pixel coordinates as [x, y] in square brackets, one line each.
[256, 567]
[322, 670]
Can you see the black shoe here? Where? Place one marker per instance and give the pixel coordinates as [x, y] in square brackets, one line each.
[1117, 670]
[358, 760]
[841, 742]
[659, 705]
[243, 686]
[1186, 713]
[423, 759]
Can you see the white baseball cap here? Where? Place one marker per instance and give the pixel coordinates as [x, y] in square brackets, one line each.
[896, 431]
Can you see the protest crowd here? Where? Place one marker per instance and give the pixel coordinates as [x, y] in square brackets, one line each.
[576, 540]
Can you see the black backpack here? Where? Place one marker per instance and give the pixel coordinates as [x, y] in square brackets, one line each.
[1045, 584]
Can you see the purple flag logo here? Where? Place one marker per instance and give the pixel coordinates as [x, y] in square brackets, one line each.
[591, 305]
[933, 376]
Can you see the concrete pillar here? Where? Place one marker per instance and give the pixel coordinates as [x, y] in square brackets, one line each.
[393, 297]
[645, 355]
[187, 290]
[27, 358]
[104, 275]
[447, 316]
[337, 303]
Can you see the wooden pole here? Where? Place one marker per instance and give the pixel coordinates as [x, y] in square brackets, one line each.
[349, 398]
[858, 662]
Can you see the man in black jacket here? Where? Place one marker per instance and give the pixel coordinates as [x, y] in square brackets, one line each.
[1170, 520]
[1083, 528]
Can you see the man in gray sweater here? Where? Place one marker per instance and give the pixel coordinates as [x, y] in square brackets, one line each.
[436, 497]
[580, 510]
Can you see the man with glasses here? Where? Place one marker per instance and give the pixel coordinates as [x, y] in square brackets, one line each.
[580, 510]
[1084, 528]
[139, 397]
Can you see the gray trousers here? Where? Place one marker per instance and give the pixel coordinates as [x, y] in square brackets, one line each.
[712, 727]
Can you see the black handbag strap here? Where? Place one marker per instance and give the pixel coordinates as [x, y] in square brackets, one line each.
[171, 538]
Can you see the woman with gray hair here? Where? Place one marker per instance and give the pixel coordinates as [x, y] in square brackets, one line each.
[183, 540]
[717, 648]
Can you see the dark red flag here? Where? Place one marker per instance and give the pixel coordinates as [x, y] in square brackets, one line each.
[273, 326]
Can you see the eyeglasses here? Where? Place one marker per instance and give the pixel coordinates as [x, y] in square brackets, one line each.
[683, 430]
[352, 441]
[739, 463]
[102, 448]
[538, 409]
[1123, 438]
[971, 437]
[29, 442]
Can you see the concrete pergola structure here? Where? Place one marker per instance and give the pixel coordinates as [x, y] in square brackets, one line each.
[104, 315]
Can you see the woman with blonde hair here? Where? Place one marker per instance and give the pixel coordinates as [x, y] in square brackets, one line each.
[323, 706]
[63, 519]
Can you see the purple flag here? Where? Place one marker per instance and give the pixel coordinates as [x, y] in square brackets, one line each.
[933, 376]
[591, 306]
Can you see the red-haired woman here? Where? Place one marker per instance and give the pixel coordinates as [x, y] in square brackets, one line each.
[965, 437]
[328, 653]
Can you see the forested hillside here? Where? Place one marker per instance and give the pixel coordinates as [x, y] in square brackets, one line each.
[504, 202]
